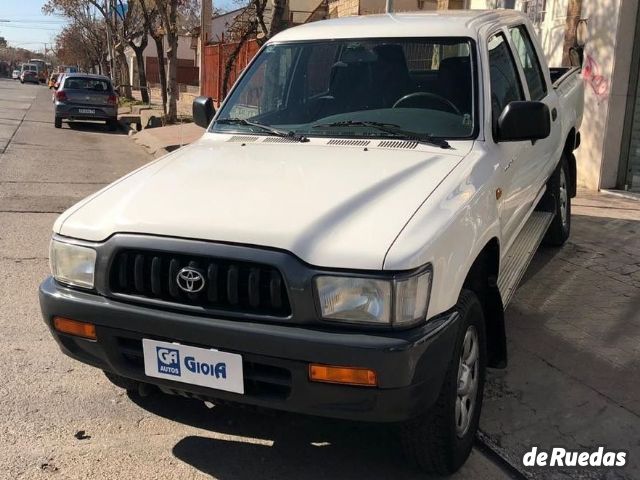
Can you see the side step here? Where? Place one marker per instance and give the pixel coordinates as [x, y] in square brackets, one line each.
[515, 263]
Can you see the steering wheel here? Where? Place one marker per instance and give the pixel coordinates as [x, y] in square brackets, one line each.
[423, 99]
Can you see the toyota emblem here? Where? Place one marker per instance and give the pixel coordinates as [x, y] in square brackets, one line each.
[190, 280]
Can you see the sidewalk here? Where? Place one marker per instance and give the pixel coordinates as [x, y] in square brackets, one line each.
[574, 346]
[161, 140]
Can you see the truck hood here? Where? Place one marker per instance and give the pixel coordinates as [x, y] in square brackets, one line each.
[331, 206]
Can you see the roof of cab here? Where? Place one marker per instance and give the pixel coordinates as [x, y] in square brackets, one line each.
[434, 23]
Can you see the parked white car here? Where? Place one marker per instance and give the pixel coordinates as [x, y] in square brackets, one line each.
[15, 75]
[344, 238]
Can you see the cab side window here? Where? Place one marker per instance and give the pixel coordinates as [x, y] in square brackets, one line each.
[505, 82]
[529, 61]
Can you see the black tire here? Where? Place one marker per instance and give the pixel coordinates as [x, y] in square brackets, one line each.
[432, 441]
[112, 124]
[559, 198]
[57, 122]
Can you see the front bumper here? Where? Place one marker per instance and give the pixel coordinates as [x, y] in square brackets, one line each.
[410, 364]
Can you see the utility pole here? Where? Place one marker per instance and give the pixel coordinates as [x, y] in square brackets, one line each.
[206, 11]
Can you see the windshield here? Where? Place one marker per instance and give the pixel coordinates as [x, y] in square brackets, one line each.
[83, 83]
[350, 88]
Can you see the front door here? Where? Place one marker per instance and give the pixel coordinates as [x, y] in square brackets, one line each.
[516, 171]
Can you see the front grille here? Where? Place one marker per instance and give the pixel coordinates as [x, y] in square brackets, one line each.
[235, 286]
[260, 379]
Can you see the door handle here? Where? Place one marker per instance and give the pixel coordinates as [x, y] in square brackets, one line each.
[554, 114]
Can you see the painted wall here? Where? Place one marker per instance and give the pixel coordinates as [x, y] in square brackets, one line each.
[184, 48]
[184, 52]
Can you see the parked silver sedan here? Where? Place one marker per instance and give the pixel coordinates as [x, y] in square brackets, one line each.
[83, 96]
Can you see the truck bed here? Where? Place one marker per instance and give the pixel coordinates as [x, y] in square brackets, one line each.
[560, 74]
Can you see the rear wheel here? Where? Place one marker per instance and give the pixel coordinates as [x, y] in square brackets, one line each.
[558, 187]
[112, 124]
[440, 440]
[58, 122]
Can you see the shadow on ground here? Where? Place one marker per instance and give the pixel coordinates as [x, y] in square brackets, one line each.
[268, 444]
[92, 127]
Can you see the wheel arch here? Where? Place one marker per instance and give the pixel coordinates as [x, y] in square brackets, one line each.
[482, 279]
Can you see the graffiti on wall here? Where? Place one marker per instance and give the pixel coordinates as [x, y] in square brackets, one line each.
[594, 79]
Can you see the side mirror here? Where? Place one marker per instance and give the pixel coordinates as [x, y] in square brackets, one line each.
[203, 111]
[523, 121]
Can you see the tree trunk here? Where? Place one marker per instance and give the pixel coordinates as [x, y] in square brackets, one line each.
[123, 70]
[172, 67]
[574, 9]
[162, 72]
[142, 73]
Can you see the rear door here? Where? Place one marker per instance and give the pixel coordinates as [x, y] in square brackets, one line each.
[538, 88]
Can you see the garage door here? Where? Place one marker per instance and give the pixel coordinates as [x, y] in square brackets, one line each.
[633, 174]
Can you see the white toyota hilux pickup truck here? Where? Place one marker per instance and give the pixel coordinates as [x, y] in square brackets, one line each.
[344, 238]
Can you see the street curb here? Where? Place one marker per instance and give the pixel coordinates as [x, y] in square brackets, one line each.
[621, 194]
[153, 150]
[486, 445]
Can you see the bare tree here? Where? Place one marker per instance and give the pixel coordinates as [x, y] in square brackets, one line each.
[250, 24]
[168, 13]
[119, 19]
[154, 27]
[138, 41]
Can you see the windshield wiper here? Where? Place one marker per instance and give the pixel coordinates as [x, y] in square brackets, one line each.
[392, 129]
[265, 128]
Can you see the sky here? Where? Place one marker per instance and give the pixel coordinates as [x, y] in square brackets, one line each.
[28, 27]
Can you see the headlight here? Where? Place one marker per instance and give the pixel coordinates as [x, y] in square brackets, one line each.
[370, 300]
[72, 264]
[355, 299]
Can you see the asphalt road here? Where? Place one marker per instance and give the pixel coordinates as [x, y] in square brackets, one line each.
[62, 419]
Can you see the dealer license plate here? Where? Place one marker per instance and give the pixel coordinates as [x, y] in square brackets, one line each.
[193, 365]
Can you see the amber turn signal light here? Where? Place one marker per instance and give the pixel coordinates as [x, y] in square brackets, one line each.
[74, 327]
[343, 375]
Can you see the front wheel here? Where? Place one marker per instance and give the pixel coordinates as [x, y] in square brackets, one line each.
[558, 187]
[440, 440]
[57, 122]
